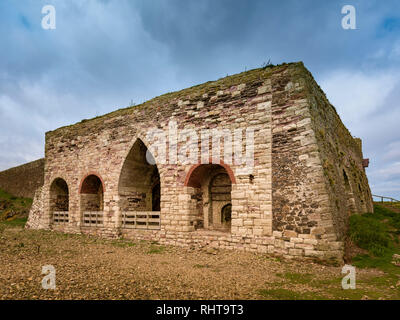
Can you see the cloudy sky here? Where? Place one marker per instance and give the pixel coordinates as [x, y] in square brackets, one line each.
[104, 54]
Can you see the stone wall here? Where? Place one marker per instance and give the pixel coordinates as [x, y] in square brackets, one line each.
[23, 181]
[298, 189]
[311, 148]
[35, 218]
[282, 207]
[342, 161]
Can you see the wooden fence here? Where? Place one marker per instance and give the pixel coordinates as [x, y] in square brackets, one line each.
[93, 218]
[389, 199]
[60, 217]
[149, 220]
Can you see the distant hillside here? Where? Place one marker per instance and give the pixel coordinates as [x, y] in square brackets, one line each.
[12, 207]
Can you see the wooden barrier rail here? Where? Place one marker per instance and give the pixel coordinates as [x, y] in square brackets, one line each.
[93, 218]
[60, 217]
[389, 198]
[148, 220]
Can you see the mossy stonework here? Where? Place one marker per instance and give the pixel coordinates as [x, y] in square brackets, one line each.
[306, 180]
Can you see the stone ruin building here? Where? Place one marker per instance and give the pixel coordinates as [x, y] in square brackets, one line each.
[308, 174]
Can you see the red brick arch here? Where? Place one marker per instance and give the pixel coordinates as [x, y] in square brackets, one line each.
[192, 180]
[59, 178]
[92, 173]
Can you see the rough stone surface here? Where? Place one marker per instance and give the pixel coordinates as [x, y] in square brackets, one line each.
[22, 181]
[35, 214]
[307, 177]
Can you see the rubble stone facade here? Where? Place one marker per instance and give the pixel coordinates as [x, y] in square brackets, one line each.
[306, 180]
[23, 181]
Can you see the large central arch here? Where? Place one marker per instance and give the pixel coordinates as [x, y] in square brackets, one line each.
[139, 189]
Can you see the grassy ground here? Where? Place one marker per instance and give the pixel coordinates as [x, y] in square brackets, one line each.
[378, 234]
[12, 207]
[94, 268]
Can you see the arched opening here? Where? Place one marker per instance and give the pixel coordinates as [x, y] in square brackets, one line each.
[350, 202]
[156, 195]
[59, 201]
[211, 201]
[226, 214]
[139, 189]
[92, 198]
[346, 181]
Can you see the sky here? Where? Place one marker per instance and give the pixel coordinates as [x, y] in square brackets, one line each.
[106, 54]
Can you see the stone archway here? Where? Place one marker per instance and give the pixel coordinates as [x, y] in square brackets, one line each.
[92, 200]
[59, 202]
[212, 186]
[139, 189]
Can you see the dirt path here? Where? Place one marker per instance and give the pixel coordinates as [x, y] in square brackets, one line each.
[93, 268]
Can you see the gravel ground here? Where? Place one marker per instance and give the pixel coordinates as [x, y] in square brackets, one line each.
[94, 268]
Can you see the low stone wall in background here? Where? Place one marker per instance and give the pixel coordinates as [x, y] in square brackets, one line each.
[24, 180]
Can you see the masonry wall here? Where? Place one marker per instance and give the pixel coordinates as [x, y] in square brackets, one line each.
[282, 207]
[101, 146]
[311, 148]
[23, 181]
[342, 159]
[299, 193]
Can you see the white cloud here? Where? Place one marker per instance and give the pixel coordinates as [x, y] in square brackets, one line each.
[386, 189]
[395, 53]
[357, 94]
[393, 152]
[390, 171]
[368, 104]
[26, 113]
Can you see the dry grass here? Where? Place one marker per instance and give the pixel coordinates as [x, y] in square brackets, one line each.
[93, 268]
